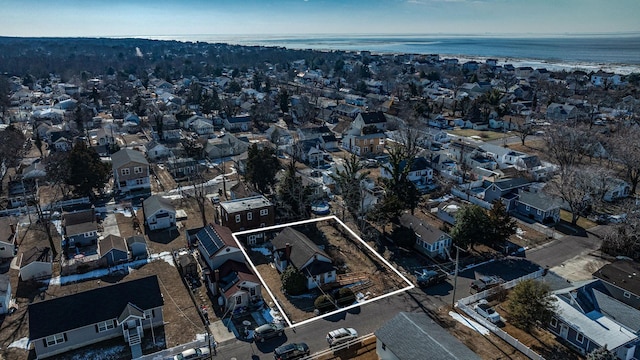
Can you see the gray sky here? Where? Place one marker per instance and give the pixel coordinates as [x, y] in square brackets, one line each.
[291, 17]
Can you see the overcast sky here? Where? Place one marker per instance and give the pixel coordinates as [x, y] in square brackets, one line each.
[221, 17]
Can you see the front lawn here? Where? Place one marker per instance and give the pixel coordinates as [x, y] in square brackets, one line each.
[485, 135]
[582, 221]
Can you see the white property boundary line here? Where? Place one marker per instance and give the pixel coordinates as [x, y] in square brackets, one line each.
[332, 217]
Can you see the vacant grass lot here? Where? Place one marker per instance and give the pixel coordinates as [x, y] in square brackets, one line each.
[484, 135]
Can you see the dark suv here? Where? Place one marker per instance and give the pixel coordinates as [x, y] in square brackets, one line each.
[291, 351]
[268, 331]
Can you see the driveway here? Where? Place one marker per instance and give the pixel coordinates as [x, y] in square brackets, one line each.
[558, 251]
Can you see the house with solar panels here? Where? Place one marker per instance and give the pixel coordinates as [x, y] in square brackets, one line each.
[226, 274]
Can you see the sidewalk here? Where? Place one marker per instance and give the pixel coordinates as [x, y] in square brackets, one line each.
[221, 334]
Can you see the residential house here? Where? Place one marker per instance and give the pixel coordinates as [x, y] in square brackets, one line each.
[69, 322]
[347, 110]
[112, 250]
[434, 137]
[182, 168]
[202, 126]
[240, 122]
[130, 171]
[420, 172]
[616, 189]
[8, 236]
[504, 190]
[410, 336]
[587, 317]
[35, 264]
[364, 145]
[224, 146]
[622, 281]
[371, 120]
[80, 228]
[603, 79]
[216, 245]
[236, 284]
[157, 151]
[37, 170]
[430, 241]
[561, 112]
[5, 293]
[246, 214]
[292, 247]
[104, 137]
[538, 206]
[159, 213]
[137, 246]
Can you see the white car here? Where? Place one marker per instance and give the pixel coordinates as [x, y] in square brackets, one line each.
[487, 312]
[341, 336]
[189, 354]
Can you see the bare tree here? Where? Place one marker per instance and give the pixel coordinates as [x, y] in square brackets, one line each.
[580, 188]
[566, 145]
[625, 152]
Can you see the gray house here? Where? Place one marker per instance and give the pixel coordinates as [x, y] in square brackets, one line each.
[112, 250]
[504, 190]
[80, 228]
[137, 247]
[622, 281]
[538, 206]
[121, 310]
[410, 336]
[430, 241]
[587, 317]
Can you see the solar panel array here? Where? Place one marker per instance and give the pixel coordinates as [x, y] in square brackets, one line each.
[210, 240]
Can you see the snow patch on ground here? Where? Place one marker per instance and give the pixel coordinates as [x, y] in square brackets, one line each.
[469, 323]
[166, 256]
[201, 337]
[20, 344]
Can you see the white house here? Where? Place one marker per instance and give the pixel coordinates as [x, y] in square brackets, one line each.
[158, 213]
[156, 150]
[294, 248]
[430, 241]
[8, 236]
[616, 189]
[35, 264]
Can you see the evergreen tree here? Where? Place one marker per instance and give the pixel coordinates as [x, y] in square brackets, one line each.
[530, 303]
[86, 171]
[262, 167]
[349, 180]
[601, 354]
[294, 197]
[470, 227]
[293, 281]
[501, 225]
[283, 100]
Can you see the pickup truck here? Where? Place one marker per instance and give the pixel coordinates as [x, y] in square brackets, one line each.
[431, 277]
[487, 312]
[486, 282]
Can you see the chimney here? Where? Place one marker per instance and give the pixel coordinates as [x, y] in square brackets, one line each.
[287, 251]
[216, 276]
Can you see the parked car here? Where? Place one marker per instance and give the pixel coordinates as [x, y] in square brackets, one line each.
[431, 277]
[189, 354]
[487, 312]
[268, 331]
[341, 336]
[486, 282]
[291, 351]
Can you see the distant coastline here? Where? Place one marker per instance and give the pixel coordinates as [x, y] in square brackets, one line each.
[589, 52]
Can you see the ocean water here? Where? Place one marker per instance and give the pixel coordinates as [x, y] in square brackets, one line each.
[590, 52]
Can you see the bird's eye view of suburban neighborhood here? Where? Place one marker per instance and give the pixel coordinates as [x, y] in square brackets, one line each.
[193, 200]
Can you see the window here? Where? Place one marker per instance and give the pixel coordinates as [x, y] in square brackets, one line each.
[238, 300]
[105, 325]
[249, 216]
[140, 181]
[55, 339]
[149, 313]
[125, 171]
[539, 212]
[527, 207]
[252, 291]
[627, 294]
[137, 170]
[384, 347]
[554, 322]
[580, 338]
[264, 212]
[238, 218]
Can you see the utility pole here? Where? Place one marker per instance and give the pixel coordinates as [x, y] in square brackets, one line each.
[455, 278]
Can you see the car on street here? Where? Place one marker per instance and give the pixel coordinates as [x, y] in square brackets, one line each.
[291, 351]
[486, 282]
[341, 336]
[192, 354]
[487, 312]
[268, 331]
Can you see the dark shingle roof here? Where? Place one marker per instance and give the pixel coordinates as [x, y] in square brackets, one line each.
[412, 336]
[538, 200]
[302, 248]
[427, 233]
[136, 239]
[90, 307]
[125, 156]
[111, 242]
[373, 117]
[623, 274]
